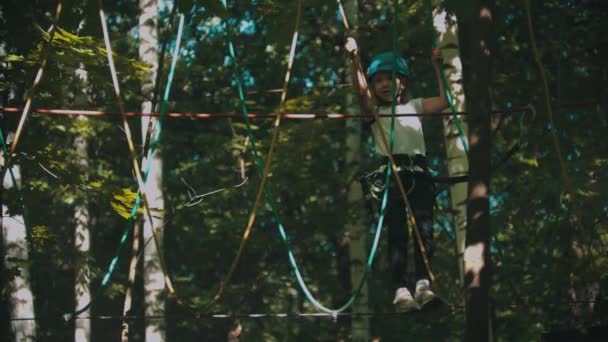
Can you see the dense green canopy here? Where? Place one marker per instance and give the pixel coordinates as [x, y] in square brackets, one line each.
[537, 225]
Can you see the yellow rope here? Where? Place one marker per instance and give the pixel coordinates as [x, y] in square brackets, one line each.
[133, 155]
[260, 192]
[385, 144]
[28, 103]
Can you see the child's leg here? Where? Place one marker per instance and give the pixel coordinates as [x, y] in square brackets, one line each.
[422, 200]
[396, 222]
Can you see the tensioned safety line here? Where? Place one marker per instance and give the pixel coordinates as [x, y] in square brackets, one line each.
[446, 86]
[259, 315]
[288, 116]
[28, 103]
[270, 200]
[151, 153]
[253, 315]
[266, 171]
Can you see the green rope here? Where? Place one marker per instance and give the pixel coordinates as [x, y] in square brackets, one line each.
[444, 82]
[151, 153]
[270, 199]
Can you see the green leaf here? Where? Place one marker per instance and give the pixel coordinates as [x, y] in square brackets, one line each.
[123, 202]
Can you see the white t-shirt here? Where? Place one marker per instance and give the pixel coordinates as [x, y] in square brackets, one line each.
[409, 138]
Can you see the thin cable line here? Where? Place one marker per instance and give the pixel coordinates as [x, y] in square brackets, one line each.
[182, 316]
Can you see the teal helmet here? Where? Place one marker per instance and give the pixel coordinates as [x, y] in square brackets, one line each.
[384, 62]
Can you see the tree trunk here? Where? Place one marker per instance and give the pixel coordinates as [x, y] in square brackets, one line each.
[458, 164]
[82, 239]
[477, 253]
[356, 228]
[126, 311]
[82, 232]
[152, 271]
[154, 282]
[17, 265]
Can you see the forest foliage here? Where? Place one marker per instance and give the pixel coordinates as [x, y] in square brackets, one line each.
[535, 220]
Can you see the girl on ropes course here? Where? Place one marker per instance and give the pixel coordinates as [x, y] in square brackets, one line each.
[409, 153]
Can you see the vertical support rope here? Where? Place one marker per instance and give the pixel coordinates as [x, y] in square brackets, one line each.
[154, 144]
[161, 61]
[270, 201]
[392, 163]
[127, 130]
[343, 15]
[446, 86]
[408, 206]
[262, 186]
[151, 153]
[28, 103]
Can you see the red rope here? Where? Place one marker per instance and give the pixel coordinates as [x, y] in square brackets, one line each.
[290, 116]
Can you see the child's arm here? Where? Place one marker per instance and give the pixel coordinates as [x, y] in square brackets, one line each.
[359, 81]
[439, 103]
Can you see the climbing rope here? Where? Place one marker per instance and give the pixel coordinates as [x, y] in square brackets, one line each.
[266, 171]
[408, 206]
[284, 116]
[151, 153]
[445, 85]
[133, 154]
[392, 165]
[157, 80]
[155, 140]
[28, 103]
[270, 200]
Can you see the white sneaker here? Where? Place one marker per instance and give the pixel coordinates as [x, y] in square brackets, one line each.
[423, 293]
[404, 300]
